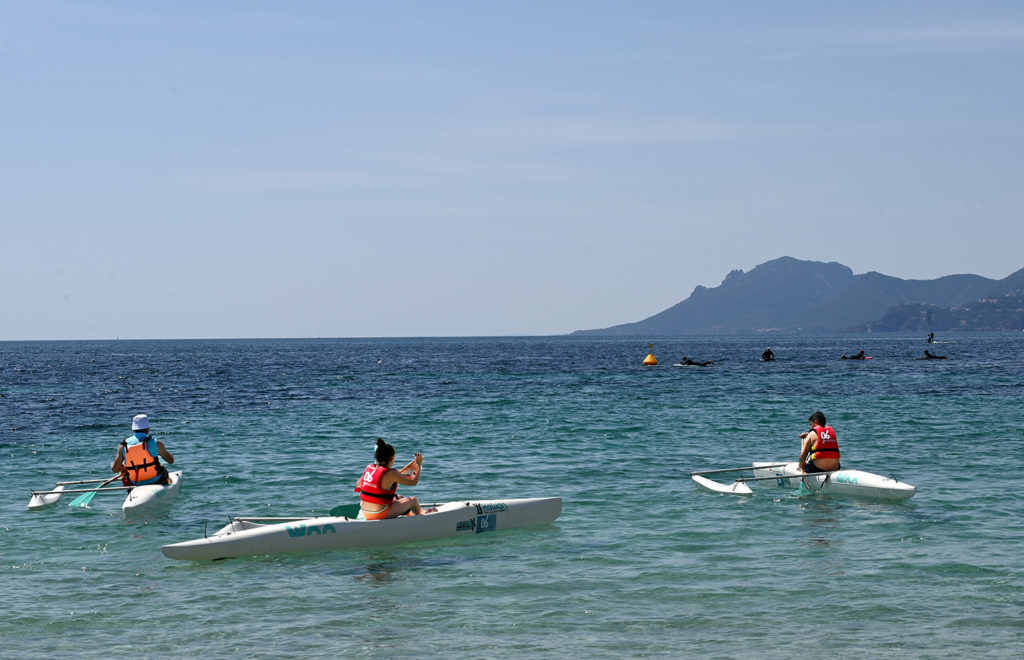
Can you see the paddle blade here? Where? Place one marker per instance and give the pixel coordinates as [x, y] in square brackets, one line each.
[83, 499]
[735, 488]
[345, 511]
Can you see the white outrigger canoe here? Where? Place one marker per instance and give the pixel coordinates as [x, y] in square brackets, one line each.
[850, 483]
[140, 499]
[244, 537]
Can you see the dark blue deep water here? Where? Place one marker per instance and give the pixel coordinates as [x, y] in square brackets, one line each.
[640, 564]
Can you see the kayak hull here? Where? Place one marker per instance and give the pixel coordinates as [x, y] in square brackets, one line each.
[850, 483]
[146, 499]
[260, 536]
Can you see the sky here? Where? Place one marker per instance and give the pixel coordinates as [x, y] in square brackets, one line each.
[352, 169]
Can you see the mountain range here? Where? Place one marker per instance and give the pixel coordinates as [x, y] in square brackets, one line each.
[790, 295]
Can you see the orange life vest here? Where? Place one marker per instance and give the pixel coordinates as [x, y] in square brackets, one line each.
[827, 446]
[139, 464]
[370, 489]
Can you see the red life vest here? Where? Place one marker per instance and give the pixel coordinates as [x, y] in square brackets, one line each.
[827, 446]
[139, 464]
[369, 487]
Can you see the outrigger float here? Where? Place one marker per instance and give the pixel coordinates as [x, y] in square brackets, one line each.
[248, 536]
[140, 500]
[850, 483]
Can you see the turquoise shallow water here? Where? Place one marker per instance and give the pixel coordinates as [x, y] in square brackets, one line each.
[640, 563]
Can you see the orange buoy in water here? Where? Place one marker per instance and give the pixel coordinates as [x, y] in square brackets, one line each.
[650, 360]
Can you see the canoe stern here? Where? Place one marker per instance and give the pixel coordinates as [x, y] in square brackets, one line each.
[143, 499]
[853, 483]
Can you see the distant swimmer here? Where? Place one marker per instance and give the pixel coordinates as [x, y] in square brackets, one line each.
[929, 356]
[691, 363]
[858, 356]
[931, 337]
[767, 356]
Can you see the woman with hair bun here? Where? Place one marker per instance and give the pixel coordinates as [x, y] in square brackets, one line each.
[377, 497]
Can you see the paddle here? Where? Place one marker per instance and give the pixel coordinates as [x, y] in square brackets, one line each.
[345, 511]
[82, 481]
[85, 498]
[352, 510]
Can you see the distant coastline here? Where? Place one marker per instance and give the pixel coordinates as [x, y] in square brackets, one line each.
[790, 296]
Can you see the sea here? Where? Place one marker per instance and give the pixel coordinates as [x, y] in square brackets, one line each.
[641, 563]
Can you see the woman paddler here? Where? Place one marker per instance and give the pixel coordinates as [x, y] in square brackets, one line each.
[377, 486]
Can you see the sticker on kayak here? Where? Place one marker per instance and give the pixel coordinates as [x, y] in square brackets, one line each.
[498, 507]
[484, 523]
[303, 530]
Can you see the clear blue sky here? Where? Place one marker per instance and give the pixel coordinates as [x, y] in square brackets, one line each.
[338, 169]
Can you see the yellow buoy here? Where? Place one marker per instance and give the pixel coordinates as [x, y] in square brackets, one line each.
[650, 360]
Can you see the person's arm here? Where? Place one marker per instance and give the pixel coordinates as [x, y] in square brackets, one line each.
[400, 477]
[164, 454]
[118, 465]
[809, 439]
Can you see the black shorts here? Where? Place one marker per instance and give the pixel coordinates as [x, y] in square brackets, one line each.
[811, 468]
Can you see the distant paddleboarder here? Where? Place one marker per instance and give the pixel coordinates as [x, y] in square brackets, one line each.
[929, 356]
[931, 338]
[767, 356]
[858, 356]
[691, 363]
